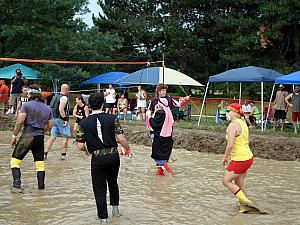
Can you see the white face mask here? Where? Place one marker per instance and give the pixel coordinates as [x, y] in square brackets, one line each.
[228, 117]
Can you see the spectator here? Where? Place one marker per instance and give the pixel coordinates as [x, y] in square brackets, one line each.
[222, 110]
[122, 105]
[280, 107]
[110, 99]
[23, 98]
[255, 114]
[141, 97]
[246, 109]
[17, 82]
[295, 105]
[3, 95]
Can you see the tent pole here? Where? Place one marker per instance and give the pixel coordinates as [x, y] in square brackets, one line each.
[240, 96]
[269, 106]
[98, 87]
[262, 104]
[203, 104]
[163, 64]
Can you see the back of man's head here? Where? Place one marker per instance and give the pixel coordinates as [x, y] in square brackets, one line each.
[96, 101]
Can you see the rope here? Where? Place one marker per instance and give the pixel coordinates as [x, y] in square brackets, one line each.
[70, 62]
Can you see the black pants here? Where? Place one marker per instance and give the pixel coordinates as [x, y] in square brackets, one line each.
[104, 170]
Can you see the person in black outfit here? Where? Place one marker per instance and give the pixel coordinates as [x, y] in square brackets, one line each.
[98, 135]
[17, 82]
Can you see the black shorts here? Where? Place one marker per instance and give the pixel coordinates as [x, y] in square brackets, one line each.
[280, 114]
[109, 105]
[28, 142]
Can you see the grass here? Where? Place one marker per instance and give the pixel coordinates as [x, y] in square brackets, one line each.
[209, 124]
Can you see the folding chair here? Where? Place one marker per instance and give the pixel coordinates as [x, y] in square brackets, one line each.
[220, 118]
[268, 118]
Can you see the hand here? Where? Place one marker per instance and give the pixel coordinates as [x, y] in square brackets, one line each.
[80, 117]
[187, 98]
[13, 142]
[129, 153]
[65, 123]
[290, 105]
[224, 161]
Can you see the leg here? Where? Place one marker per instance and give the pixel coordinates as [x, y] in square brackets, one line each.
[99, 186]
[240, 181]
[38, 156]
[49, 144]
[125, 113]
[75, 130]
[142, 113]
[282, 124]
[18, 155]
[64, 146]
[112, 180]
[227, 181]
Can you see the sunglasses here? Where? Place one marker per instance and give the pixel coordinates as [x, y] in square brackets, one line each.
[227, 111]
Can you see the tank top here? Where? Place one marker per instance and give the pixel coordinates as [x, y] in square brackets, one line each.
[296, 103]
[241, 150]
[80, 112]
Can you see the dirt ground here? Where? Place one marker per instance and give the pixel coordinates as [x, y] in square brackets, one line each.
[263, 146]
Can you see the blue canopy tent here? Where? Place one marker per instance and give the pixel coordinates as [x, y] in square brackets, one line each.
[9, 71]
[249, 74]
[293, 78]
[105, 78]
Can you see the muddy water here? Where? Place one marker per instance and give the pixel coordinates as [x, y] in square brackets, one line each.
[193, 196]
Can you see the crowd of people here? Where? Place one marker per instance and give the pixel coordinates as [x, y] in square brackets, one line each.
[277, 114]
[98, 132]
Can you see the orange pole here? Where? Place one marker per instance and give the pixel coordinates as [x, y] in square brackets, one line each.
[68, 62]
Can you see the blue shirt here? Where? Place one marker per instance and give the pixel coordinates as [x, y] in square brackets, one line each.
[37, 116]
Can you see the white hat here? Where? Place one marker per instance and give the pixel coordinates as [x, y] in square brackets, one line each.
[281, 86]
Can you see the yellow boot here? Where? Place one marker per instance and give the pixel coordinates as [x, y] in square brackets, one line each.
[242, 197]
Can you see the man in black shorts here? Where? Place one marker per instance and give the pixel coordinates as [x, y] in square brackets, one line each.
[280, 107]
[98, 135]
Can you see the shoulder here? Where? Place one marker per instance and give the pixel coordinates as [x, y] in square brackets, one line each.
[63, 98]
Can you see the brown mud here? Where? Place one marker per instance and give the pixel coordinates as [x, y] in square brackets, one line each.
[263, 146]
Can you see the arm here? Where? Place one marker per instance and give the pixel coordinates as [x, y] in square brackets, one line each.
[18, 126]
[123, 141]
[121, 138]
[234, 129]
[24, 80]
[287, 100]
[62, 109]
[74, 111]
[86, 111]
[13, 79]
[18, 108]
[49, 125]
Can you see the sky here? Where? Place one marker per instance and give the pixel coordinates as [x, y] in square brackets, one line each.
[94, 8]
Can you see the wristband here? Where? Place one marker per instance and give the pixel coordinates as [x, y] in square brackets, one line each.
[13, 137]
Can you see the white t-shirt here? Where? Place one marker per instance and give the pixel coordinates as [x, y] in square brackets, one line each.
[246, 108]
[111, 96]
